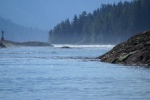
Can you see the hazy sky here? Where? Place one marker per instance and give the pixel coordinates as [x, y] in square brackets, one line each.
[45, 14]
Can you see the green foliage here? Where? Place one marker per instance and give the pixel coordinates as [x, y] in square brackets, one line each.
[111, 23]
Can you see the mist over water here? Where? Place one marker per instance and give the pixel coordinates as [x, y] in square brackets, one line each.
[53, 73]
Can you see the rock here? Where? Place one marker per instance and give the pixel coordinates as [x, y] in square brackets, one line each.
[30, 43]
[35, 43]
[66, 47]
[135, 51]
[2, 45]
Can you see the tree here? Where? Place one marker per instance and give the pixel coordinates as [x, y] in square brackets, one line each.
[111, 23]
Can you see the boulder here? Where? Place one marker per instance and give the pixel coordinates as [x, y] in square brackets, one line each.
[65, 47]
[2, 45]
[135, 51]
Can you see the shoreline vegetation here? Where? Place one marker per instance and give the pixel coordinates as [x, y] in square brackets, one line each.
[135, 51]
[7, 43]
[110, 23]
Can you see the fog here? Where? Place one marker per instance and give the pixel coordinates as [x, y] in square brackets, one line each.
[25, 20]
[45, 14]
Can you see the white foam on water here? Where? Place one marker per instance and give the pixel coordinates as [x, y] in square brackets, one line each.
[84, 46]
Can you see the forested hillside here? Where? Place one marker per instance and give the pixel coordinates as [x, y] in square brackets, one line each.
[111, 23]
[20, 33]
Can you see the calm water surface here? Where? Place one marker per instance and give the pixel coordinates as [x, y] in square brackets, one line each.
[44, 73]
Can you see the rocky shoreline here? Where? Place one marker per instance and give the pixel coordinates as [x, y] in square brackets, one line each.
[135, 51]
[6, 43]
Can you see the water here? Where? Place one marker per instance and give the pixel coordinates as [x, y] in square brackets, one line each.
[44, 73]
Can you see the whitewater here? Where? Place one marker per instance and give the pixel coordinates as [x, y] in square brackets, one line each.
[55, 73]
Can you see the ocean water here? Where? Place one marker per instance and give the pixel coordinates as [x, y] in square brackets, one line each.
[53, 73]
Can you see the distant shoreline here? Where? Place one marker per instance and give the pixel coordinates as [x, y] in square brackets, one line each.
[7, 43]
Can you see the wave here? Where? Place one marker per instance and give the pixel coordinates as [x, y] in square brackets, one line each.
[84, 46]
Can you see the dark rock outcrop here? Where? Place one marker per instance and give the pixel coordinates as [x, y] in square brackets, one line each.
[2, 45]
[65, 47]
[135, 51]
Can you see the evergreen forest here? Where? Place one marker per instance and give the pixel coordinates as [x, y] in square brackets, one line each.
[109, 24]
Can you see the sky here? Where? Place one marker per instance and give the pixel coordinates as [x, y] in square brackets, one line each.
[45, 14]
